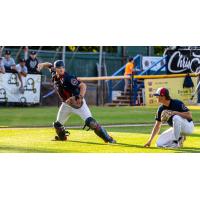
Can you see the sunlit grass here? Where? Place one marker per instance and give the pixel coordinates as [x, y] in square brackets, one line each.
[130, 140]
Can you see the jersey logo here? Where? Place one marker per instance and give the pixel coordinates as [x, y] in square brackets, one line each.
[184, 107]
[74, 81]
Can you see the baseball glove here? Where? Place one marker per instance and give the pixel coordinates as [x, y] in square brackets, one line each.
[165, 115]
[75, 101]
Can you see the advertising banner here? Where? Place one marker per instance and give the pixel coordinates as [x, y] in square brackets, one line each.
[10, 84]
[148, 61]
[182, 61]
[174, 85]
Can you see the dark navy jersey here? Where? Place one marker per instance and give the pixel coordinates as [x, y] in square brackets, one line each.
[175, 105]
[66, 85]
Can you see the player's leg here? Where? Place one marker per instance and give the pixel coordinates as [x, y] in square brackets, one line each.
[187, 128]
[177, 126]
[181, 128]
[175, 136]
[166, 138]
[83, 111]
[126, 83]
[62, 116]
[85, 114]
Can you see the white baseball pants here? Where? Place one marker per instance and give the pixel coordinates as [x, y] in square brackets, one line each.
[65, 112]
[180, 127]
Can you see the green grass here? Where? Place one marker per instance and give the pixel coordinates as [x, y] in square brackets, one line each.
[129, 140]
[44, 116]
[39, 140]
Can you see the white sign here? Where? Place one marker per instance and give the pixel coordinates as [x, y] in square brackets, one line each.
[115, 94]
[10, 84]
[148, 61]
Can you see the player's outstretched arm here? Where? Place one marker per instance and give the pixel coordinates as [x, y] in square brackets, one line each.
[46, 65]
[83, 88]
[156, 130]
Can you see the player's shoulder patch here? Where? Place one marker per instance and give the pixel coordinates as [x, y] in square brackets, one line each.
[184, 107]
[74, 81]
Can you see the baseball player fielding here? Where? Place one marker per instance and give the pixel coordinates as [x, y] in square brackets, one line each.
[178, 117]
[71, 92]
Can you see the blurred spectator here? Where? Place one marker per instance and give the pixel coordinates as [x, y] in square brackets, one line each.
[128, 72]
[2, 69]
[21, 70]
[32, 63]
[8, 61]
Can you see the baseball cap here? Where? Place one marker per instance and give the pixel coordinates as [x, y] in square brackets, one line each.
[162, 92]
[22, 60]
[7, 52]
[59, 64]
[33, 52]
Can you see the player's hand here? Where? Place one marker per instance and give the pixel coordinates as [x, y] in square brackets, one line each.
[39, 67]
[14, 68]
[148, 144]
[75, 102]
[79, 99]
[175, 113]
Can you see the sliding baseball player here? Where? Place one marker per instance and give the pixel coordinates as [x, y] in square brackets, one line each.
[177, 115]
[72, 91]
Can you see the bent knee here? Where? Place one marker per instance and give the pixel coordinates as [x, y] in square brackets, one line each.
[160, 142]
[189, 131]
[92, 123]
[177, 119]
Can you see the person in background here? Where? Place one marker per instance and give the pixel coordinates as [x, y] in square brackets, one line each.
[21, 68]
[2, 68]
[8, 61]
[22, 71]
[128, 72]
[32, 63]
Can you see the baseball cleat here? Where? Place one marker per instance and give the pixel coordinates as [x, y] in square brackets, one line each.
[58, 139]
[173, 145]
[181, 140]
[111, 141]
